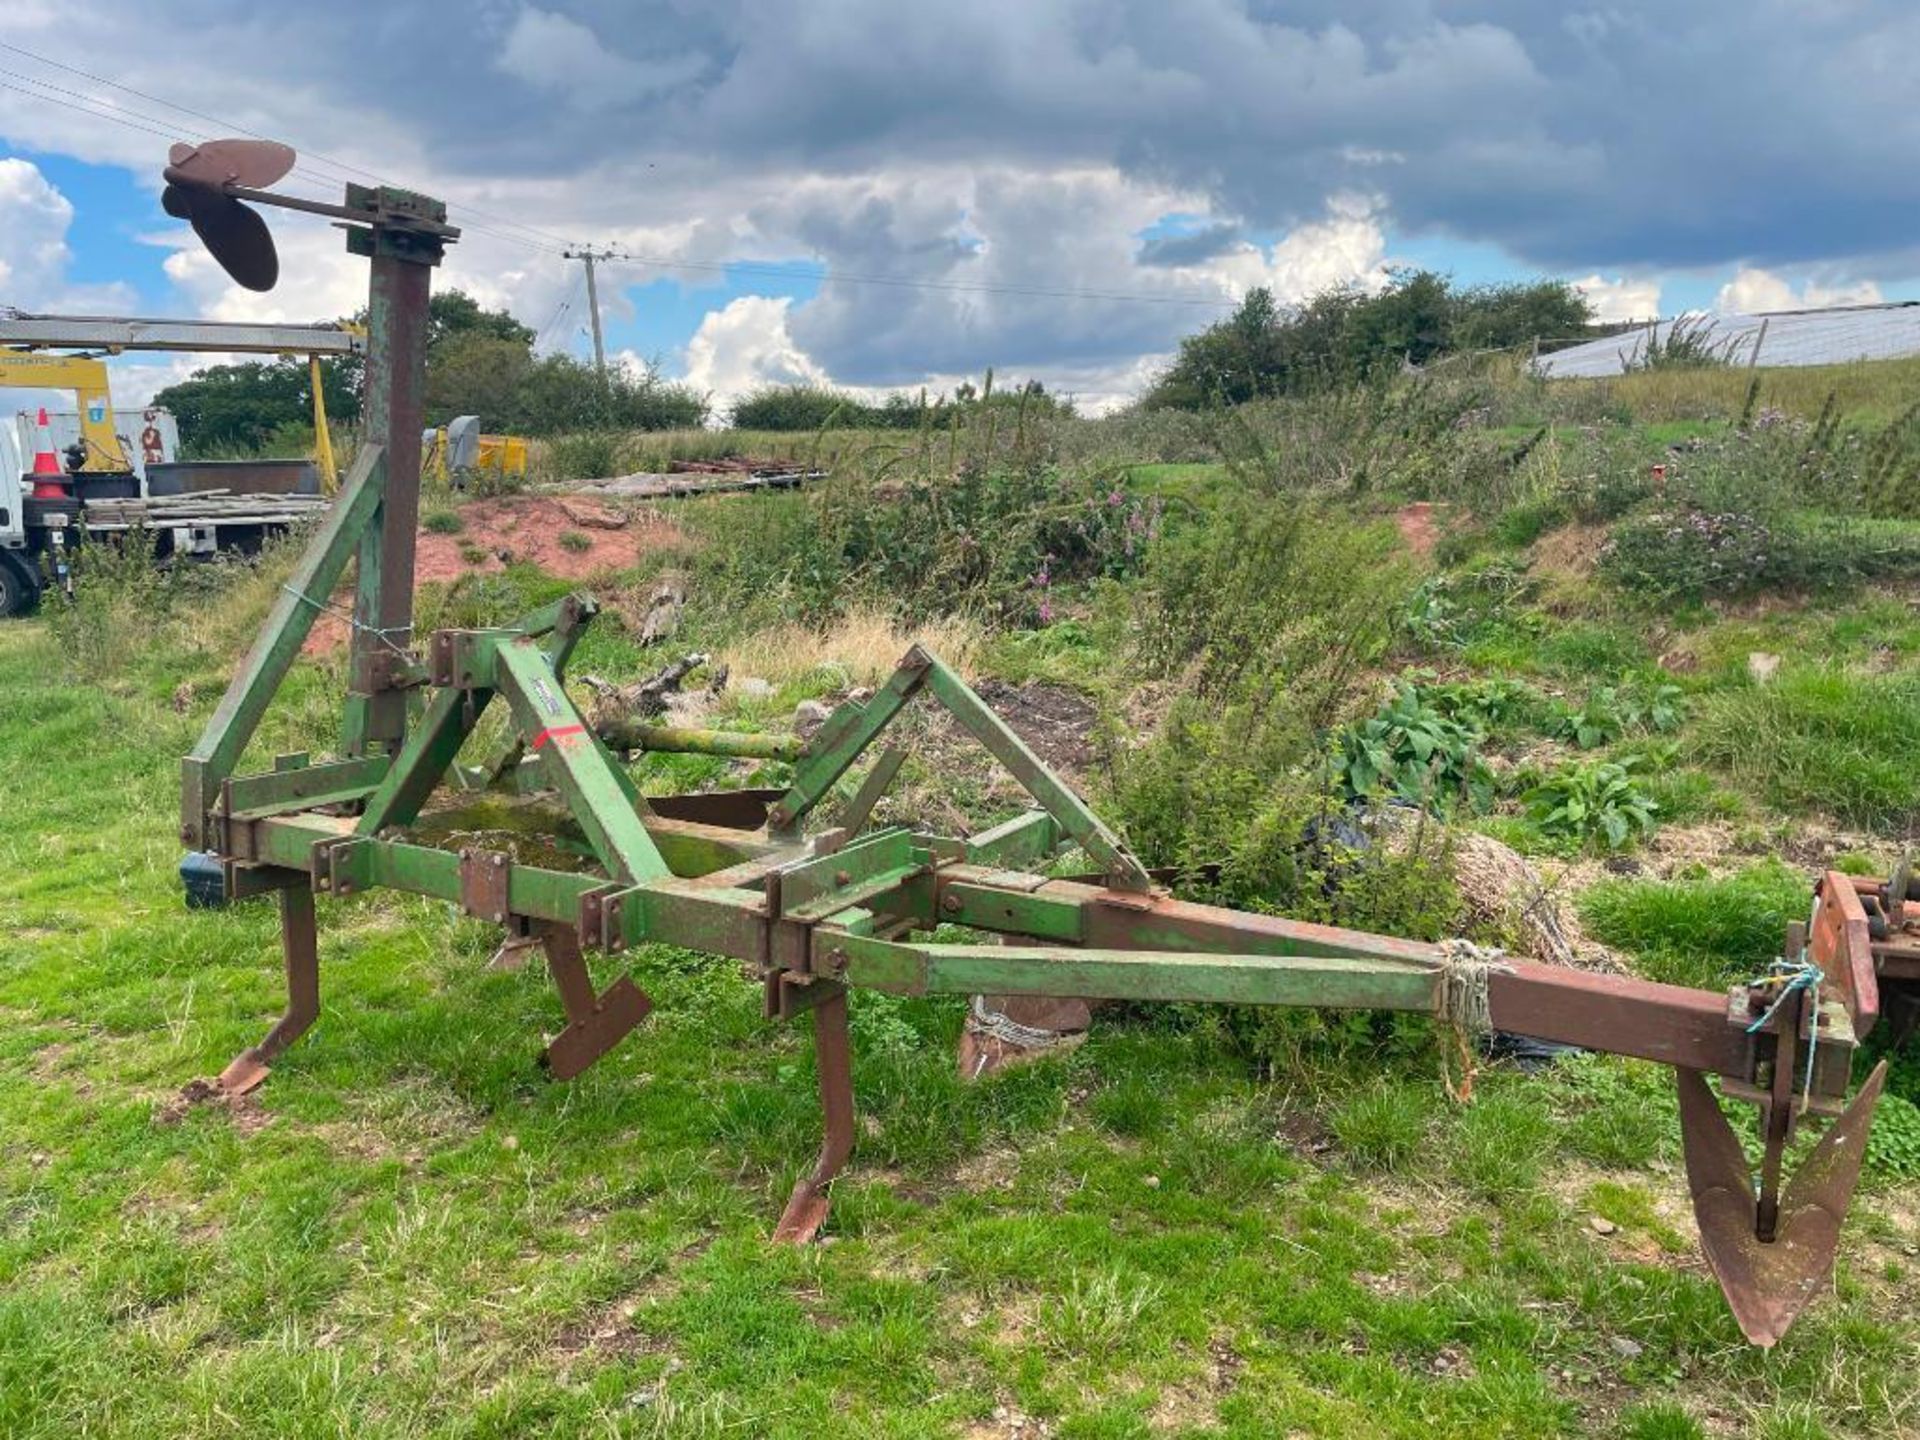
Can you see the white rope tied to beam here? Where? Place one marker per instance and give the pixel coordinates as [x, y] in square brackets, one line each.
[1005, 1028]
[1466, 1006]
[1465, 974]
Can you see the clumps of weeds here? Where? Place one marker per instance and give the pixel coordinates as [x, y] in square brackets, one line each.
[1271, 596]
[1820, 739]
[122, 596]
[1414, 752]
[442, 522]
[575, 541]
[1003, 539]
[1594, 803]
[584, 455]
[1100, 1314]
[1702, 931]
[1893, 1145]
[1498, 1145]
[1449, 612]
[1611, 712]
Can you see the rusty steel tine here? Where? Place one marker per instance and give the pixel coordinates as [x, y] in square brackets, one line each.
[300, 944]
[595, 1024]
[1768, 1284]
[1776, 1119]
[833, 1058]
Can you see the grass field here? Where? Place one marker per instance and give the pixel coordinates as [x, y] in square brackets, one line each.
[1183, 1228]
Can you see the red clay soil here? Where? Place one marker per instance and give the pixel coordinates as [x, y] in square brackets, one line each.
[524, 529]
[1417, 527]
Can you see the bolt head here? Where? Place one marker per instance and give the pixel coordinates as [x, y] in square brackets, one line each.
[951, 904]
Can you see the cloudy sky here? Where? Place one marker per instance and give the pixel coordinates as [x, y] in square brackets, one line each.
[885, 193]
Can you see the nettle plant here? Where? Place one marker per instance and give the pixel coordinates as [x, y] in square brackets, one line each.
[1412, 750]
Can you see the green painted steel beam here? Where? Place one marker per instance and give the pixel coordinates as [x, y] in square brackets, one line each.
[1023, 840]
[1313, 981]
[853, 727]
[428, 754]
[598, 796]
[234, 720]
[843, 739]
[328, 783]
[628, 734]
[564, 624]
[1056, 797]
[1005, 910]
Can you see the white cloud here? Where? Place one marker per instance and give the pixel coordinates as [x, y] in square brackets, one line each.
[747, 345]
[1621, 298]
[557, 54]
[1753, 291]
[1348, 247]
[34, 255]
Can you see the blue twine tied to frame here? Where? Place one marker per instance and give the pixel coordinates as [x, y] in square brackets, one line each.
[1792, 977]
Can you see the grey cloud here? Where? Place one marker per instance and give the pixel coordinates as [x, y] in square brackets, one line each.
[1194, 247]
[1628, 135]
[1632, 134]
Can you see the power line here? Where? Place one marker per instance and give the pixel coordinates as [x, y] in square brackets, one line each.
[227, 127]
[566, 304]
[545, 242]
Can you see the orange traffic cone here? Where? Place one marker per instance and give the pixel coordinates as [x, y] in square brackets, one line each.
[49, 482]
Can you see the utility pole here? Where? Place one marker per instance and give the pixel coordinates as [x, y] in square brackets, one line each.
[588, 255]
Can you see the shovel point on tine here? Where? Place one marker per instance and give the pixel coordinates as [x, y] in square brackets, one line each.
[1768, 1284]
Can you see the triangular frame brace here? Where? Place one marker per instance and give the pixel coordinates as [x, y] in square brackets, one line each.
[853, 728]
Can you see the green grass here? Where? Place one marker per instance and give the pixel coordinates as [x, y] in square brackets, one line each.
[1708, 932]
[1875, 390]
[413, 1234]
[1821, 739]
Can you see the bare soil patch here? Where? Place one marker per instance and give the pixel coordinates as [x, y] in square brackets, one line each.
[1056, 723]
[246, 1112]
[526, 530]
[1418, 527]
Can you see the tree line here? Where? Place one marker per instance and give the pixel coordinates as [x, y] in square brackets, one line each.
[481, 362]
[1345, 336]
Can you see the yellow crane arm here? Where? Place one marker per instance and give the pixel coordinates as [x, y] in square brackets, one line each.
[86, 377]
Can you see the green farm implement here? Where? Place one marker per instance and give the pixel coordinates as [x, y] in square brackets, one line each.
[814, 911]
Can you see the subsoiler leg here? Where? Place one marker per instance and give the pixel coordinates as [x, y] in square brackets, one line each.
[595, 1024]
[300, 945]
[833, 1057]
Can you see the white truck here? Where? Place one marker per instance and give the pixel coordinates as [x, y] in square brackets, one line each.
[184, 508]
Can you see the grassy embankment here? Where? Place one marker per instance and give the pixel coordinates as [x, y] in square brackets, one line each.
[1196, 1224]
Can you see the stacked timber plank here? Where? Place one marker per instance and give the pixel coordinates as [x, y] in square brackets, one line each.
[205, 507]
[654, 486]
